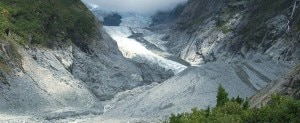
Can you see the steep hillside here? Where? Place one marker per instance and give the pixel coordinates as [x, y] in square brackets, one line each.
[34, 78]
[226, 29]
[243, 45]
[292, 83]
[288, 85]
[57, 61]
[45, 21]
[237, 30]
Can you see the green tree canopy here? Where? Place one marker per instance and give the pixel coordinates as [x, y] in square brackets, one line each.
[222, 96]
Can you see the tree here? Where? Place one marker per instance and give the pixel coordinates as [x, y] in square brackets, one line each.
[279, 110]
[246, 104]
[222, 96]
[239, 100]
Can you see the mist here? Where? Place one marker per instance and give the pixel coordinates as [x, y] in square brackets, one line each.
[135, 6]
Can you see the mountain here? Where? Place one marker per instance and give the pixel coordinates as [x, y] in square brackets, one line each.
[55, 55]
[242, 45]
[238, 28]
[288, 85]
[63, 62]
[247, 30]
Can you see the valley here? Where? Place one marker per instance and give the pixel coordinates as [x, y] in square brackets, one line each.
[143, 67]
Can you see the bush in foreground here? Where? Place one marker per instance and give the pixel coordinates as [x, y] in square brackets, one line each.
[280, 109]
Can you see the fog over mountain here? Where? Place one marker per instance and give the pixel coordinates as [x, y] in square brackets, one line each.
[140, 6]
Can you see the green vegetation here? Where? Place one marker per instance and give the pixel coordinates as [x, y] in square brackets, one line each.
[223, 19]
[222, 96]
[225, 28]
[280, 109]
[39, 21]
[44, 23]
[9, 56]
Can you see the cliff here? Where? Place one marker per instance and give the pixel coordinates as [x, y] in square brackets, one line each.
[288, 85]
[58, 62]
[56, 56]
[227, 29]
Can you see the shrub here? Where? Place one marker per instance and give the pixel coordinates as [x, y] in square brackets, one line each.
[280, 109]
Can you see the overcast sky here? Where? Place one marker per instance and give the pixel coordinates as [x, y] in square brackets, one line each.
[140, 6]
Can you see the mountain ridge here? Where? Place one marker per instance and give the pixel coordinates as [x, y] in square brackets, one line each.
[146, 67]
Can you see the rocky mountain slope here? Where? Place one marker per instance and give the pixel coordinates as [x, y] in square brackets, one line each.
[142, 68]
[223, 29]
[250, 44]
[235, 30]
[224, 47]
[194, 87]
[35, 79]
[288, 85]
[58, 64]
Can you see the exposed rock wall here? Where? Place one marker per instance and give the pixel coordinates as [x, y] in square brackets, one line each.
[288, 85]
[197, 10]
[194, 87]
[105, 70]
[52, 79]
[43, 83]
[66, 75]
[292, 84]
[212, 30]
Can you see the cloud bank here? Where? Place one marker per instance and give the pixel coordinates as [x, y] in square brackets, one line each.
[136, 6]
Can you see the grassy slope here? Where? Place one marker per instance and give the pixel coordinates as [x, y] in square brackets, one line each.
[44, 23]
[40, 20]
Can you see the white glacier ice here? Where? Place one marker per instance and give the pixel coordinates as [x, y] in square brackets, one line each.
[138, 52]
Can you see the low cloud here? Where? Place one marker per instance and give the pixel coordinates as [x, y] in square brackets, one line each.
[136, 6]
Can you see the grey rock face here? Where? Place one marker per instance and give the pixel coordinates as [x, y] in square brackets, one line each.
[235, 44]
[197, 10]
[154, 74]
[220, 30]
[287, 85]
[194, 87]
[44, 84]
[112, 20]
[105, 70]
[49, 79]
[167, 17]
